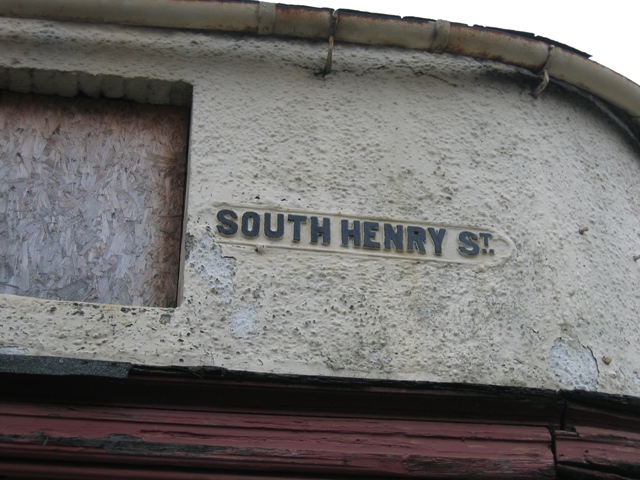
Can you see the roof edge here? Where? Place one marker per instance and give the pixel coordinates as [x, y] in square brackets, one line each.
[536, 54]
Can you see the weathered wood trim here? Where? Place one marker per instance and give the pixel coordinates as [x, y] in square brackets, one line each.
[81, 471]
[573, 473]
[604, 411]
[215, 424]
[285, 443]
[222, 390]
[602, 450]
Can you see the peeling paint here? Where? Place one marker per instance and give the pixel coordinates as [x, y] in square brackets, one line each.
[243, 321]
[13, 350]
[206, 258]
[574, 364]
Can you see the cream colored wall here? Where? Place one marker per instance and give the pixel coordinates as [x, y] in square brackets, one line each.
[389, 134]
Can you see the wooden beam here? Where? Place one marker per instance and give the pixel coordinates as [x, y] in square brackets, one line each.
[195, 422]
[601, 450]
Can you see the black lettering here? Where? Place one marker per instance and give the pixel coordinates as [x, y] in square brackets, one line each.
[469, 239]
[297, 221]
[370, 229]
[437, 236]
[324, 230]
[395, 236]
[353, 233]
[253, 219]
[279, 232]
[416, 236]
[228, 227]
[485, 241]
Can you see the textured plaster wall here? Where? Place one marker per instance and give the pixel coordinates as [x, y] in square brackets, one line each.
[388, 134]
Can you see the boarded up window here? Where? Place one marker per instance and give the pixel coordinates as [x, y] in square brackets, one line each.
[91, 199]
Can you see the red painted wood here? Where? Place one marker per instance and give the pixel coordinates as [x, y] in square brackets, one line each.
[335, 397]
[616, 418]
[272, 427]
[292, 443]
[21, 415]
[597, 449]
[76, 471]
[574, 473]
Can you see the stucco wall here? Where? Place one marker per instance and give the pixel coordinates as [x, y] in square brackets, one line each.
[392, 135]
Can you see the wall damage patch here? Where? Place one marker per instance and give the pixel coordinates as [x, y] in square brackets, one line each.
[206, 259]
[243, 321]
[575, 365]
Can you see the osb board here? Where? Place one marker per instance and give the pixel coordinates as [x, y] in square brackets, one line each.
[91, 199]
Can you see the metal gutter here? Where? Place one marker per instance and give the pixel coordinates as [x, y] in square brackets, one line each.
[261, 18]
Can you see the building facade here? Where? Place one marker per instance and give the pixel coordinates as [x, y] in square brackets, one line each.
[221, 195]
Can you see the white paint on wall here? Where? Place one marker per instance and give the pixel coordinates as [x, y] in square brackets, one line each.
[389, 133]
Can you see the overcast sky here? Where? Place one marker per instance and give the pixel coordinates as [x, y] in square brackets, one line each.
[605, 30]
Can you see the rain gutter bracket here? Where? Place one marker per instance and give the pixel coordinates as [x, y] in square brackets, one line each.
[328, 62]
[545, 75]
[441, 36]
[543, 84]
[266, 18]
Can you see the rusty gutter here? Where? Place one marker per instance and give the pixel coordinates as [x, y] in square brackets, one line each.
[260, 18]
